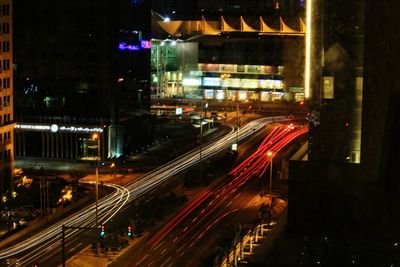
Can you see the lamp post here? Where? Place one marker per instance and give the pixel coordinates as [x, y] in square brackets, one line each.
[112, 166]
[271, 156]
[201, 147]
[237, 121]
[97, 137]
[223, 77]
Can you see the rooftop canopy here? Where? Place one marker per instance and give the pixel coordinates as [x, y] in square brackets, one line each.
[180, 28]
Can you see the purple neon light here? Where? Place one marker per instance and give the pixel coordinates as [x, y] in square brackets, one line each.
[143, 45]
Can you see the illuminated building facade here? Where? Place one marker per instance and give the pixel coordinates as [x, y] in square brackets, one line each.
[6, 98]
[227, 51]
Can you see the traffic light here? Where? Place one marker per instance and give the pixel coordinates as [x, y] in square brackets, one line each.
[102, 230]
[129, 231]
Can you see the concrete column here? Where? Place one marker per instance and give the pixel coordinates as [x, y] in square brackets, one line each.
[52, 144]
[76, 146]
[62, 145]
[56, 145]
[48, 145]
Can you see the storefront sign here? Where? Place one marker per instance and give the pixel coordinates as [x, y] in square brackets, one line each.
[56, 128]
[296, 89]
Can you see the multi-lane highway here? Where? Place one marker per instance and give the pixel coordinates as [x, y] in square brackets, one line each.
[177, 242]
[47, 242]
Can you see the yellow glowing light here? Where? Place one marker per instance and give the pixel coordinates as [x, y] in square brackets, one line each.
[308, 49]
[95, 136]
[269, 154]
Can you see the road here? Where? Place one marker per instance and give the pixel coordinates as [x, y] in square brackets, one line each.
[47, 242]
[181, 241]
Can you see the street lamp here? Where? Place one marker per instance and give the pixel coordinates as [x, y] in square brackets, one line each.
[201, 147]
[112, 166]
[97, 137]
[223, 77]
[237, 121]
[271, 156]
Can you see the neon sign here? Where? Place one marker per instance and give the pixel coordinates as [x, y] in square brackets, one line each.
[145, 44]
[123, 46]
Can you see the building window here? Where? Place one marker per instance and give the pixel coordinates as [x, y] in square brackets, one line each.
[6, 101]
[6, 28]
[5, 10]
[6, 64]
[5, 46]
[6, 82]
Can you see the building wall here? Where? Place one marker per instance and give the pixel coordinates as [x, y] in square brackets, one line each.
[6, 97]
[63, 59]
[381, 81]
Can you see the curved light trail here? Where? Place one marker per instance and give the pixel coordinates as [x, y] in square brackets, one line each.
[38, 246]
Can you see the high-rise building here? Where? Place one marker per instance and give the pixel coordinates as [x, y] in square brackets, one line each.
[349, 185]
[6, 98]
[73, 69]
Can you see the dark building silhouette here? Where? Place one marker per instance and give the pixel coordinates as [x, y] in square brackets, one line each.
[349, 188]
[70, 69]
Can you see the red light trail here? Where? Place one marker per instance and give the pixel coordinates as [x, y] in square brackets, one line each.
[197, 224]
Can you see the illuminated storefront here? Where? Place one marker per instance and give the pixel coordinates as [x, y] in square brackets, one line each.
[176, 72]
[59, 141]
